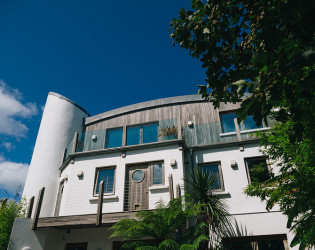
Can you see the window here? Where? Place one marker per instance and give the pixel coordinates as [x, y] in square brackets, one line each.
[157, 174]
[257, 170]
[108, 176]
[114, 138]
[214, 169]
[227, 123]
[142, 134]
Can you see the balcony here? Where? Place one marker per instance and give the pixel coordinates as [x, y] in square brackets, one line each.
[126, 137]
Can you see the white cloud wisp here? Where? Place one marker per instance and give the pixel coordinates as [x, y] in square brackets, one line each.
[12, 109]
[12, 175]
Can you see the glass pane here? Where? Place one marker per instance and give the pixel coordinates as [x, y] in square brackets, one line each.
[258, 170]
[133, 136]
[227, 122]
[106, 175]
[157, 174]
[114, 138]
[249, 123]
[213, 170]
[150, 133]
[138, 175]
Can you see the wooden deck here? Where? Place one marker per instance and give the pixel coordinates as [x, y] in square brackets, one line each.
[82, 221]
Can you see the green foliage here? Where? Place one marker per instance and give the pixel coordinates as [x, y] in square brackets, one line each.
[293, 187]
[9, 210]
[168, 130]
[214, 211]
[265, 48]
[163, 226]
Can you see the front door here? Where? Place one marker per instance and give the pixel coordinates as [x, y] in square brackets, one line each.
[137, 188]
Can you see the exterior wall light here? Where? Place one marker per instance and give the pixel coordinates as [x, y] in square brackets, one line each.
[80, 173]
[173, 162]
[94, 137]
[190, 124]
[233, 163]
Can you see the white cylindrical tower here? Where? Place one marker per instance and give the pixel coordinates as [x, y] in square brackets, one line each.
[61, 119]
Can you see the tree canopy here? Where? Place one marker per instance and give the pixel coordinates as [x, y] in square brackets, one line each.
[262, 53]
[265, 48]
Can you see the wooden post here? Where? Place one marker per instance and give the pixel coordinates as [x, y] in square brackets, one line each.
[178, 193]
[170, 183]
[179, 128]
[75, 140]
[237, 129]
[124, 136]
[38, 207]
[30, 207]
[100, 204]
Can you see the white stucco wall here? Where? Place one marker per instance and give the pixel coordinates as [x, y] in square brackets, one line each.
[61, 119]
[78, 192]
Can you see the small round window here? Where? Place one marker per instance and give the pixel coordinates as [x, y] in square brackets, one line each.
[137, 175]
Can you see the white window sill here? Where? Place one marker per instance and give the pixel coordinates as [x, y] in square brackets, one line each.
[244, 131]
[105, 197]
[218, 193]
[161, 187]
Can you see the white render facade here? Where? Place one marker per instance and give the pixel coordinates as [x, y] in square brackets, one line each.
[74, 152]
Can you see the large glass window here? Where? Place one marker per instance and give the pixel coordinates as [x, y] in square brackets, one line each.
[114, 138]
[271, 242]
[142, 134]
[157, 174]
[227, 123]
[257, 170]
[214, 169]
[108, 176]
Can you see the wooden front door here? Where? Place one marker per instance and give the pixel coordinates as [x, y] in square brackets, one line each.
[76, 246]
[137, 188]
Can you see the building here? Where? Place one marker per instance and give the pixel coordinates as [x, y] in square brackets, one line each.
[74, 152]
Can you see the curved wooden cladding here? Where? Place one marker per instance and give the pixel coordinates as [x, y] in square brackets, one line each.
[198, 112]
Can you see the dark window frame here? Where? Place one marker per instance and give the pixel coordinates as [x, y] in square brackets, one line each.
[97, 170]
[151, 169]
[220, 173]
[114, 128]
[241, 125]
[258, 158]
[141, 125]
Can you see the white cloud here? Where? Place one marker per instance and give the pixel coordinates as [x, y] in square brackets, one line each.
[12, 174]
[11, 109]
[7, 145]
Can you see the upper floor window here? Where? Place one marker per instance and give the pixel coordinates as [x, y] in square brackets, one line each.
[142, 134]
[108, 176]
[113, 138]
[214, 169]
[257, 169]
[227, 123]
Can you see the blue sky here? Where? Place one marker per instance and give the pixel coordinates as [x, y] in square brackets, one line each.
[100, 54]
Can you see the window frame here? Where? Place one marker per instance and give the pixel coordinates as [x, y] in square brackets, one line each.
[114, 128]
[97, 170]
[241, 124]
[213, 163]
[151, 169]
[253, 159]
[141, 125]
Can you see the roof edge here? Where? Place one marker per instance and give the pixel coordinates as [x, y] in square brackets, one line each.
[144, 105]
[68, 100]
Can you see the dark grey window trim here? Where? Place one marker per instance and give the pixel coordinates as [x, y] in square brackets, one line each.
[255, 158]
[213, 163]
[96, 179]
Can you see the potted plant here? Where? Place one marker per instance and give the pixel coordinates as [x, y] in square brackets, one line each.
[168, 132]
